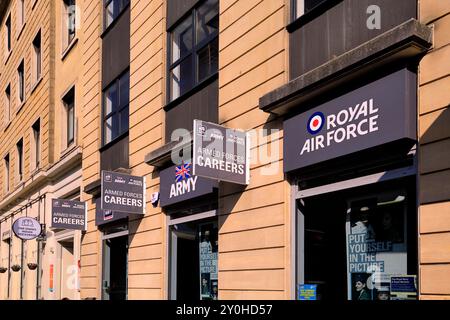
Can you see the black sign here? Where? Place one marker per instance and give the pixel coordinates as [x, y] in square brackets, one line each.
[178, 184]
[221, 153]
[380, 112]
[103, 217]
[67, 214]
[122, 192]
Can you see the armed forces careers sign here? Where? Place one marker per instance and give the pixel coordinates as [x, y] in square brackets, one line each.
[123, 193]
[380, 112]
[69, 215]
[178, 184]
[220, 153]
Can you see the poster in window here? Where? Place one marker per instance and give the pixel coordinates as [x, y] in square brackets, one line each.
[208, 262]
[376, 245]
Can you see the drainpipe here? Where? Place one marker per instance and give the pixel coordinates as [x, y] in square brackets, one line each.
[21, 270]
[38, 261]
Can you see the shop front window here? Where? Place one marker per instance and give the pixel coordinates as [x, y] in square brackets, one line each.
[358, 244]
[194, 256]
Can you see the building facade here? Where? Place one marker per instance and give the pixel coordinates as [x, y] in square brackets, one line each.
[41, 147]
[344, 103]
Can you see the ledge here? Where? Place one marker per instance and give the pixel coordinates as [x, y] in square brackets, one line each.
[409, 40]
[93, 188]
[161, 157]
[41, 178]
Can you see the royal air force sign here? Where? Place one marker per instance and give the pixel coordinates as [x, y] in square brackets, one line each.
[375, 114]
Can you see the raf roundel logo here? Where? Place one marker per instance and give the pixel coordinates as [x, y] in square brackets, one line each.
[316, 122]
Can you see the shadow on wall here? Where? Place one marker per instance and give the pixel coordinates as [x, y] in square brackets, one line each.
[434, 156]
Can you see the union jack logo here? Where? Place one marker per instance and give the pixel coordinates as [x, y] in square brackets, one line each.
[183, 172]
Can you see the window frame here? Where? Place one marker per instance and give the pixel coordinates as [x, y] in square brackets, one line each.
[115, 110]
[7, 166]
[192, 54]
[69, 34]
[21, 82]
[121, 7]
[36, 138]
[300, 20]
[20, 160]
[69, 105]
[37, 57]
[8, 38]
[8, 103]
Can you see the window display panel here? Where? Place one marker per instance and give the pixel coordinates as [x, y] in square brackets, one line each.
[376, 244]
[359, 243]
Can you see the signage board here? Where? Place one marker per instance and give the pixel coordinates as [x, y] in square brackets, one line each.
[378, 113]
[178, 184]
[123, 193]
[27, 228]
[67, 214]
[307, 292]
[404, 287]
[221, 153]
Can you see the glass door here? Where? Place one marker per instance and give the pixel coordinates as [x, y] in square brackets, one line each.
[193, 265]
[115, 268]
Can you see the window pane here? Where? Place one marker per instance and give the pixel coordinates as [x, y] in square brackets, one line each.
[70, 125]
[181, 79]
[110, 13]
[207, 20]
[71, 20]
[21, 82]
[208, 60]
[182, 40]
[304, 6]
[310, 4]
[125, 90]
[124, 120]
[111, 129]
[110, 100]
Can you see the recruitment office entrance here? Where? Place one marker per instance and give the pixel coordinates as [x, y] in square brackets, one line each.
[352, 241]
[115, 263]
[353, 166]
[190, 204]
[193, 258]
[114, 228]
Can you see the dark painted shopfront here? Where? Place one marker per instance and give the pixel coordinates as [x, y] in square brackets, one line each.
[350, 148]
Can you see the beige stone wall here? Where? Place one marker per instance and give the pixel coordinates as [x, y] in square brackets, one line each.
[37, 96]
[147, 260]
[254, 225]
[254, 238]
[90, 133]
[434, 135]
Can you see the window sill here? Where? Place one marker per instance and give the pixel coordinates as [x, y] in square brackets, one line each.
[111, 143]
[311, 15]
[8, 56]
[18, 184]
[191, 92]
[68, 150]
[20, 107]
[35, 170]
[36, 85]
[22, 27]
[68, 49]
